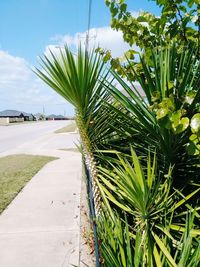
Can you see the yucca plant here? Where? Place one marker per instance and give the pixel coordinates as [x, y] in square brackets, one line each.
[146, 206]
[120, 247]
[77, 79]
[167, 117]
[116, 242]
[140, 194]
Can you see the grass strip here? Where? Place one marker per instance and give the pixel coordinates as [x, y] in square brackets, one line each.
[67, 129]
[15, 172]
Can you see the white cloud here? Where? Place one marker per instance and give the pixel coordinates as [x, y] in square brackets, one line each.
[12, 69]
[21, 89]
[135, 14]
[104, 37]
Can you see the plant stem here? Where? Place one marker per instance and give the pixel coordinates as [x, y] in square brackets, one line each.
[89, 158]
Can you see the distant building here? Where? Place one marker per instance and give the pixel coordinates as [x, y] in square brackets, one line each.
[8, 116]
[30, 116]
[11, 114]
[54, 117]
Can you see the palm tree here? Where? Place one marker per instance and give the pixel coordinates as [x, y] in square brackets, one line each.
[77, 79]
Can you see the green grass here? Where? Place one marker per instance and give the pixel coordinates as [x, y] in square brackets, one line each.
[15, 172]
[67, 129]
[20, 122]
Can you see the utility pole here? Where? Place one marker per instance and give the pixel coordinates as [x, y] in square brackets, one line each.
[88, 28]
[43, 109]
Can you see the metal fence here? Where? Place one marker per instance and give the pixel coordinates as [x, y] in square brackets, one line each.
[92, 211]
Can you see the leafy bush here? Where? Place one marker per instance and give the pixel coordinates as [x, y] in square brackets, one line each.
[167, 118]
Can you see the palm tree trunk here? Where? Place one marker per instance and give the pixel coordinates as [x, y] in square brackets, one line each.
[89, 158]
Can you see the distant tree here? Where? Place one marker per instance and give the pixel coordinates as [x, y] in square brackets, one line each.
[42, 117]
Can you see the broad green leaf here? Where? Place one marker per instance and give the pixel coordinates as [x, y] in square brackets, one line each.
[191, 148]
[195, 123]
[193, 137]
[161, 113]
[175, 118]
[190, 97]
[182, 126]
[123, 7]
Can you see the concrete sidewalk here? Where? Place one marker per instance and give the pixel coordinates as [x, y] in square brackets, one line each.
[40, 228]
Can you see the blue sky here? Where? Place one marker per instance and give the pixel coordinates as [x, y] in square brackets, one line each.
[29, 27]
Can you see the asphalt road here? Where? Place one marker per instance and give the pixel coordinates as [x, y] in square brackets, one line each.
[13, 136]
